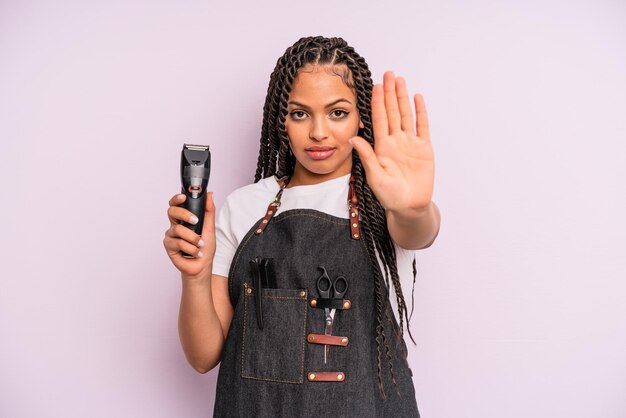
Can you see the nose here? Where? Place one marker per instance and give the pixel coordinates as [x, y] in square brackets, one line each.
[319, 129]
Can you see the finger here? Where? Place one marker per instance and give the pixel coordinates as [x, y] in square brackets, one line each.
[177, 213]
[391, 102]
[379, 115]
[368, 157]
[176, 246]
[177, 199]
[406, 113]
[180, 231]
[423, 130]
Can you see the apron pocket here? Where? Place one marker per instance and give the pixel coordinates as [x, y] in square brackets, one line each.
[276, 352]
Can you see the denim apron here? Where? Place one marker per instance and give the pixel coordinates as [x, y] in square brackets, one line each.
[278, 370]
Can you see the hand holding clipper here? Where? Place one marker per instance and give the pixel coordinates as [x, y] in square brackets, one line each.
[195, 169]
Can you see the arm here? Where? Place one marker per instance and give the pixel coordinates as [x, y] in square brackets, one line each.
[203, 320]
[205, 308]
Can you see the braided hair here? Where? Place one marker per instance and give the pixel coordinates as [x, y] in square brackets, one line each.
[276, 159]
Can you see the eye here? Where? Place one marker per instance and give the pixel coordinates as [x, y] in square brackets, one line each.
[339, 114]
[297, 115]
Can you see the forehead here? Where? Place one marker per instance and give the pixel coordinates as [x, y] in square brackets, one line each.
[320, 83]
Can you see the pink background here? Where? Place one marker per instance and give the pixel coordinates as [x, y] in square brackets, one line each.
[519, 304]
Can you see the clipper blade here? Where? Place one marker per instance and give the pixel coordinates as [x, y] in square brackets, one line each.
[194, 147]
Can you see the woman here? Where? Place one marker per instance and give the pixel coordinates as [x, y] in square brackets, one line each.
[348, 176]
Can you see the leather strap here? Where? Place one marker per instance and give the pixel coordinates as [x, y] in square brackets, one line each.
[273, 207]
[327, 339]
[325, 303]
[326, 376]
[353, 205]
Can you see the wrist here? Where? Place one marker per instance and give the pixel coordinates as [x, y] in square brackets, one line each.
[198, 280]
[411, 213]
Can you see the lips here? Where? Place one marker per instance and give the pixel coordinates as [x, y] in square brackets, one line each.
[320, 153]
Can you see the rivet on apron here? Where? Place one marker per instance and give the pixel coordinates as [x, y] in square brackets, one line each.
[311, 376]
[339, 376]
[248, 290]
[302, 293]
[311, 338]
[353, 214]
[346, 305]
[356, 235]
[264, 221]
[344, 340]
[313, 303]
[258, 231]
[354, 225]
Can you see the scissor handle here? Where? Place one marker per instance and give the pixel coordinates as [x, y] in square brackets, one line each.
[324, 284]
[340, 287]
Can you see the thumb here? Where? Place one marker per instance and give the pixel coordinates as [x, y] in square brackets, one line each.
[368, 156]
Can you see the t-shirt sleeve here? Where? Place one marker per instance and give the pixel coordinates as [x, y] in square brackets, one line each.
[225, 241]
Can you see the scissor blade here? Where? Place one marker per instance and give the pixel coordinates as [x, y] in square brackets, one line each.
[328, 330]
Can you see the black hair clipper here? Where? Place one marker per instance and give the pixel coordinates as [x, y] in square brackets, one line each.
[195, 168]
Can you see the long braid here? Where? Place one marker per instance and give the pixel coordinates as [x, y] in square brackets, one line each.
[276, 159]
[380, 303]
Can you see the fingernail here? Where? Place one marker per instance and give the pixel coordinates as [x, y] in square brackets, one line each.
[193, 219]
[199, 253]
[180, 197]
[200, 243]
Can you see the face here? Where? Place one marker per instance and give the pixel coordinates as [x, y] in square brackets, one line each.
[322, 116]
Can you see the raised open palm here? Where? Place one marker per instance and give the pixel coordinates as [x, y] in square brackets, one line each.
[401, 167]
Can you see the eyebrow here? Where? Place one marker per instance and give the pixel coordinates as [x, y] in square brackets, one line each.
[293, 102]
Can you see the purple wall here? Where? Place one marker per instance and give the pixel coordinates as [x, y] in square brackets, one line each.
[519, 304]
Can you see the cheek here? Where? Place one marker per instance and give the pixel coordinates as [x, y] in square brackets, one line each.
[348, 130]
[292, 131]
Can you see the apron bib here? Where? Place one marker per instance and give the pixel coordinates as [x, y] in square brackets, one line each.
[273, 366]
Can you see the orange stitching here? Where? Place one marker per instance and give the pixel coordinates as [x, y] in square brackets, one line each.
[339, 221]
[303, 298]
[272, 380]
[279, 297]
[303, 338]
[243, 337]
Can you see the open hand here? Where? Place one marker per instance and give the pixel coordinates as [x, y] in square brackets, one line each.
[400, 168]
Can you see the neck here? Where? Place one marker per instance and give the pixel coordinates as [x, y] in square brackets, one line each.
[303, 177]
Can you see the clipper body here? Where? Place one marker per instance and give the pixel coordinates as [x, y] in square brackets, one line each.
[195, 169]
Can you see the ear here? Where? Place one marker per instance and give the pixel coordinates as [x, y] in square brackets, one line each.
[361, 124]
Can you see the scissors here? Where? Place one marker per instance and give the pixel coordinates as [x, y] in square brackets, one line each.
[330, 289]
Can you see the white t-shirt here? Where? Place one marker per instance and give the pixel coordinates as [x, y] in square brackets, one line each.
[246, 205]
